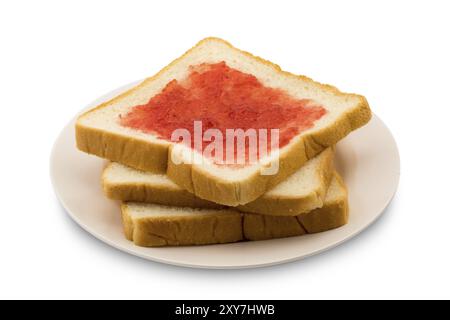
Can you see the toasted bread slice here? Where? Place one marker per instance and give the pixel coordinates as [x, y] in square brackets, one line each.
[156, 225]
[301, 192]
[100, 131]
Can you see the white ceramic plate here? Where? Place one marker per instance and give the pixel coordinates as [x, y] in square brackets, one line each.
[368, 160]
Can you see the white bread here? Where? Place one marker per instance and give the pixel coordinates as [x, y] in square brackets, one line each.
[98, 131]
[156, 225]
[301, 192]
[153, 225]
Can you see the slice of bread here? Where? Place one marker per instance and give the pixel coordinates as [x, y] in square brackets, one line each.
[99, 131]
[301, 192]
[154, 225]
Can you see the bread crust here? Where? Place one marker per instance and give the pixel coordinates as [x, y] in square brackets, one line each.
[147, 156]
[232, 226]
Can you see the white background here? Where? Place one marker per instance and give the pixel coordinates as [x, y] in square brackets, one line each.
[56, 57]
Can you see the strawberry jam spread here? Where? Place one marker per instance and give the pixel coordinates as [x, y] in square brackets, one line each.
[222, 98]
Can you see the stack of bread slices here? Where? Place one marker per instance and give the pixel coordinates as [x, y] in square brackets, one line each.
[169, 201]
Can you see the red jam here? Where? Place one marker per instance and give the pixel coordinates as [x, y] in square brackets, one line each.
[222, 98]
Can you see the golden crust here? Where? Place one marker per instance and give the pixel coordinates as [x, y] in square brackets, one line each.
[260, 227]
[147, 156]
